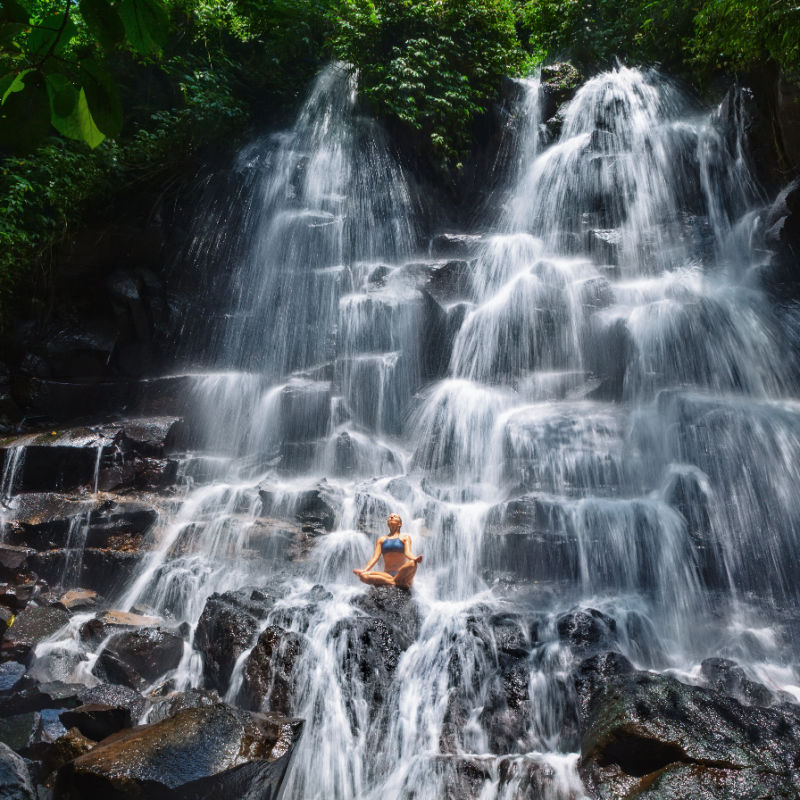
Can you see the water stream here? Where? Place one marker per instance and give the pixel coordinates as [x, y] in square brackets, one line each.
[592, 407]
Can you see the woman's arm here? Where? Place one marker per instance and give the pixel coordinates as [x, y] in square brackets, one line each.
[375, 556]
[407, 550]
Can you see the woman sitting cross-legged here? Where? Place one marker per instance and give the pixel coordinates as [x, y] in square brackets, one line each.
[399, 563]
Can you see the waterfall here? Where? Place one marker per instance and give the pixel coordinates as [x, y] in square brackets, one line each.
[589, 407]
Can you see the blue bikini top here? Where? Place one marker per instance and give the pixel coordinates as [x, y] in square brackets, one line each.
[393, 545]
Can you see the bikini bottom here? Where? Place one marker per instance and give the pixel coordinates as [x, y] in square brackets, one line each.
[392, 572]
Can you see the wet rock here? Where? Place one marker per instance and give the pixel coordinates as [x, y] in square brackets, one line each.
[727, 677]
[13, 560]
[114, 519]
[53, 694]
[107, 571]
[373, 648]
[268, 677]
[781, 227]
[64, 749]
[96, 720]
[80, 600]
[531, 538]
[437, 338]
[17, 596]
[17, 730]
[6, 618]
[137, 658]
[168, 706]
[392, 605]
[560, 81]
[604, 245]
[587, 630]
[217, 751]
[31, 625]
[46, 731]
[688, 491]
[455, 245]
[11, 676]
[507, 710]
[115, 696]
[114, 621]
[226, 628]
[461, 777]
[644, 732]
[15, 780]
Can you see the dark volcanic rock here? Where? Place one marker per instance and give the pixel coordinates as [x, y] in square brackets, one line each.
[17, 731]
[13, 560]
[211, 752]
[226, 629]
[454, 245]
[392, 605]
[727, 677]
[374, 644]
[15, 780]
[117, 697]
[64, 749]
[586, 630]
[31, 626]
[648, 735]
[96, 720]
[53, 694]
[268, 679]
[137, 658]
[166, 707]
[11, 676]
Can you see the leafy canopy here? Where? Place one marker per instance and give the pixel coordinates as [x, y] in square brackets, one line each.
[54, 56]
[433, 64]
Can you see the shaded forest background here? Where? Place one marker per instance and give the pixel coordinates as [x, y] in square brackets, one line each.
[100, 97]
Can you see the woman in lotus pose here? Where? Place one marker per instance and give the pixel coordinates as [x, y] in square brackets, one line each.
[399, 563]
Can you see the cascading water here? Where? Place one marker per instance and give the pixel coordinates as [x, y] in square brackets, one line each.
[614, 430]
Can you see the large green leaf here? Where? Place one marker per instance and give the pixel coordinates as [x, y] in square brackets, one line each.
[62, 93]
[25, 116]
[102, 96]
[13, 82]
[103, 21]
[79, 124]
[51, 35]
[146, 24]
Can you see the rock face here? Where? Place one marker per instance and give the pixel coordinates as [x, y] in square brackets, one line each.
[15, 780]
[137, 658]
[30, 627]
[648, 735]
[216, 751]
[226, 629]
[267, 679]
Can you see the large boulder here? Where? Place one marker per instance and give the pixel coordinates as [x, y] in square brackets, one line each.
[31, 625]
[268, 677]
[649, 735]
[96, 720]
[15, 780]
[209, 752]
[137, 658]
[226, 628]
[116, 696]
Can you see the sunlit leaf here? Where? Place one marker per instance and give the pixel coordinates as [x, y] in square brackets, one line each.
[13, 82]
[51, 35]
[102, 96]
[79, 124]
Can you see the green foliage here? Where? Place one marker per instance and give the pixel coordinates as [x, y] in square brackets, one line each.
[432, 64]
[692, 36]
[66, 51]
[738, 34]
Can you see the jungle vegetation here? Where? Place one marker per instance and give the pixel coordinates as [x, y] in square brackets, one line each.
[99, 94]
